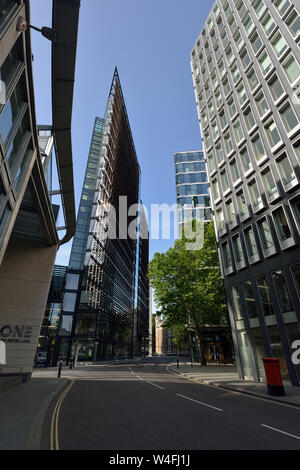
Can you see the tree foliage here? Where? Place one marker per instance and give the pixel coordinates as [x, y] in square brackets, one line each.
[188, 287]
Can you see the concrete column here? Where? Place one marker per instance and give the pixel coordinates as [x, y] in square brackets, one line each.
[25, 276]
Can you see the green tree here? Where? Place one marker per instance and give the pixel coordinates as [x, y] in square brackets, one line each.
[188, 286]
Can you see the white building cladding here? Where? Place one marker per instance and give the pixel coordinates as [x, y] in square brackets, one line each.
[246, 69]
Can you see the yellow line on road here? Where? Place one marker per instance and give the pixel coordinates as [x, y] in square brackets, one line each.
[54, 442]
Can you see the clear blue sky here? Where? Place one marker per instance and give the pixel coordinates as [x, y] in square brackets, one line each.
[150, 43]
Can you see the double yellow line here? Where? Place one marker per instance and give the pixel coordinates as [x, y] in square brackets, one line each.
[54, 442]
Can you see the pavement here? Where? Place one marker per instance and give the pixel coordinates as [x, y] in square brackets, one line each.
[23, 408]
[226, 377]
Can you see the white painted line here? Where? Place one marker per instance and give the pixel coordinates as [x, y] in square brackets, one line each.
[155, 385]
[282, 432]
[200, 402]
[135, 374]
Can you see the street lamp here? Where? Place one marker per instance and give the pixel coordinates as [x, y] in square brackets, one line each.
[54, 36]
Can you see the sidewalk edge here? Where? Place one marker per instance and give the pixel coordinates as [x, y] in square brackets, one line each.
[235, 389]
[34, 436]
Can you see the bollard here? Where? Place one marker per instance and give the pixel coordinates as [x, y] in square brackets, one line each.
[59, 368]
[177, 363]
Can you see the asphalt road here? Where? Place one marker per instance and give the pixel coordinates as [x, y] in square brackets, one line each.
[144, 407]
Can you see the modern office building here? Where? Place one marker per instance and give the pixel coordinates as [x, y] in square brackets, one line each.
[105, 301]
[193, 200]
[29, 237]
[246, 68]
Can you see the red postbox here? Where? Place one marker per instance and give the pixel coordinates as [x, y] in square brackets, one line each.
[273, 375]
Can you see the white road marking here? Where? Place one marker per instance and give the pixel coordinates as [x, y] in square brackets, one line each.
[155, 385]
[135, 374]
[282, 432]
[200, 403]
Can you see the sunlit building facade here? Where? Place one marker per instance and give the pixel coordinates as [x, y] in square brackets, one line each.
[105, 307]
[193, 200]
[246, 72]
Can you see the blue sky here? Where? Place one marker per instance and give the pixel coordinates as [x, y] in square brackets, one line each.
[150, 43]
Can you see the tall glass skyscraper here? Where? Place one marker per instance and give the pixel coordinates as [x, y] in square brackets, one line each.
[246, 73]
[192, 190]
[105, 301]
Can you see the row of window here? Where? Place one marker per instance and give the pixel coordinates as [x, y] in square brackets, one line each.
[187, 214]
[199, 177]
[261, 12]
[260, 238]
[189, 157]
[190, 167]
[270, 179]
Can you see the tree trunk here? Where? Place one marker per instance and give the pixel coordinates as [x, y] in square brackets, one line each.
[201, 345]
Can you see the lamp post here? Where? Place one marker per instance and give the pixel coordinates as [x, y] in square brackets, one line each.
[49, 33]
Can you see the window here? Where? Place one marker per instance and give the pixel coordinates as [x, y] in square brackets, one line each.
[226, 86]
[229, 56]
[258, 148]
[242, 205]
[268, 24]
[223, 119]
[272, 134]
[281, 225]
[265, 63]
[286, 171]
[265, 234]
[226, 256]
[6, 7]
[228, 143]
[245, 58]
[259, 7]
[295, 203]
[224, 181]
[282, 5]
[238, 131]
[232, 25]
[230, 212]
[289, 118]
[220, 219]
[249, 118]
[275, 87]
[269, 184]
[215, 130]
[235, 175]
[210, 162]
[246, 160]
[248, 23]
[12, 108]
[239, 41]
[293, 23]
[207, 139]
[279, 44]
[242, 94]
[72, 281]
[219, 100]
[215, 80]
[232, 107]
[261, 103]
[65, 327]
[237, 250]
[291, 68]
[219, 154]
[255, 195]
[69, 302]
[256, 42]
[211, 110]
[252, 79]
[204, 120]
[251, 243]
[215, 190]
[263, 290]
[282, 291]
[235, 73]
[242, 10]
[236, 300]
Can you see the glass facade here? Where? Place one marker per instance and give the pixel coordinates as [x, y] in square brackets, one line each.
[253, 170]
[193, 198]
[105, 304]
